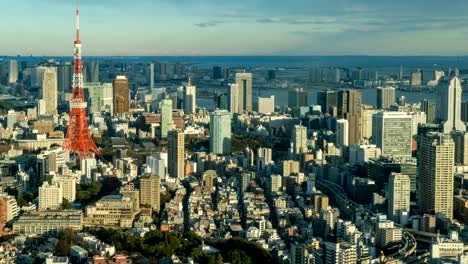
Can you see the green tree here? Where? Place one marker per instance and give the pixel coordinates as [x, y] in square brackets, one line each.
[66, 205]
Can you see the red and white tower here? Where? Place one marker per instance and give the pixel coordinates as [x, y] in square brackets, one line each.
[78, 139]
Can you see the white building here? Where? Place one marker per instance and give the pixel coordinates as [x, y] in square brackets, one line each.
[220, 132]
[233, 98]
[13, 72]
[398, 195]
[49, 90]
[449, 105]
[359, 154]
[190, 98]
[299, 139]
[446, 248]
[50, 197]
[342, 133]
[391, 132]
[266, 104]
[68, 185]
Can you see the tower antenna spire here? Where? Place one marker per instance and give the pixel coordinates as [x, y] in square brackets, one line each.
[77, 21]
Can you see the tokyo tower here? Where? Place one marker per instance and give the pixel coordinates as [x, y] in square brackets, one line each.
[78, 139]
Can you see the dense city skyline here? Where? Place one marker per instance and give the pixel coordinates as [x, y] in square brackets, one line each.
[186, 27]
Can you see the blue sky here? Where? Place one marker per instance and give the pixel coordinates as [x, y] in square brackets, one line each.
[242, 27]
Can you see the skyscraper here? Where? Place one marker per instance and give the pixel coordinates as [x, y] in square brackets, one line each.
[391, 132]
[436, 165]
[151, 80]
[49, 90]
[190, 98]
[398, 195]
[342, 133]
[13, 72]
[349, 104]
[416, 78]
[121, 95]
[385, 97]
[220, 132]
[100, 97]
[460, 139]
[64, 77]
[464, 111]
[449, 105]
[297, 98]
[176, 153]
[299, 139]
[233, 98]
[92, 71]
[430, 108]
[244, 81]
[327, 99]
[166, 117]
[150, 191]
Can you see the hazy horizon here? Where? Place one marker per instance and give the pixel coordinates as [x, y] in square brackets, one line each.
[241, 28]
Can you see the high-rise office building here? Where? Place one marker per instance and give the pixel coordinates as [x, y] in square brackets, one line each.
[50, 197]
[436, 167]
[244, 81]
[342, 133]
[299, 139]
[91, 71]
[166, 117]
[233, 98]
[64, 77]
[416, 78]
[327, 99]
[222, 101]
[449, 106]
[13, 72]
[430, 108]
[49, 90]
[391, 132]
[464, 111]
[150, 191]
[176, 153]
[99, 97]
[266, 104]
[297, 98]
[121, 95]
[398, 195]
[220, 132]
[349, 105]
[460, 139]
[366, 124]
[190, 98]
[151, 80]
[385, 97]
[290, 167]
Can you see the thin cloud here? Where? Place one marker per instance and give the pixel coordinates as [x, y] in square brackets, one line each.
[295, 21]
[208, 24]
